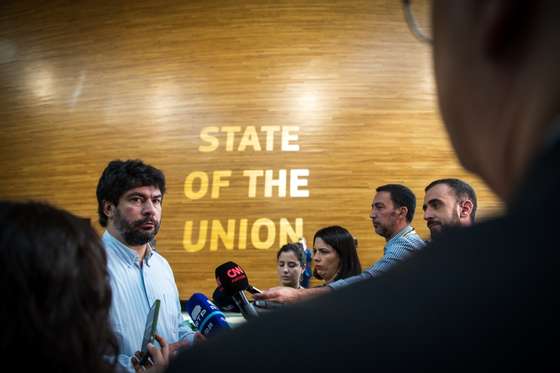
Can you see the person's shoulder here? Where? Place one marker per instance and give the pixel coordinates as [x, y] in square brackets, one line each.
[111, 249]
[106, 240]
[410, 240]
[110, 244]
[160, 259]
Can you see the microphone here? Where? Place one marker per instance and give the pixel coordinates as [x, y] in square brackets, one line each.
[233, 280]
[208, 318]
[224, 302]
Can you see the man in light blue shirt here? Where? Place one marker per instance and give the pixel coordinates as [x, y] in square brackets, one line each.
[391, 213]
[130, 195]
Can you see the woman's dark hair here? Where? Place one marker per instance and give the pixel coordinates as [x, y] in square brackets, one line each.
[344, 244]
[56, 291]
[296, 248]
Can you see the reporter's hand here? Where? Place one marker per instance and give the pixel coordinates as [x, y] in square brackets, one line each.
[280, 294]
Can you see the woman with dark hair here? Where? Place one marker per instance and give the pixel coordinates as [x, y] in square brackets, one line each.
[290, 264]
[334, 254]
[56, 294]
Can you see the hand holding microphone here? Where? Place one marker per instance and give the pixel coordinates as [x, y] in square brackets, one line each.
[279, 295]
[283, 294]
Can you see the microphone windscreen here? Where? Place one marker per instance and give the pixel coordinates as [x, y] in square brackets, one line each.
[208, 318]
[224, 302]
[231, 278]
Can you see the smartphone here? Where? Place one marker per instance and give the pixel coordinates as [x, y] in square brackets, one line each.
[150, 331]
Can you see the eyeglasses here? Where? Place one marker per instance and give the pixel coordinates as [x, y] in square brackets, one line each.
[418, 19]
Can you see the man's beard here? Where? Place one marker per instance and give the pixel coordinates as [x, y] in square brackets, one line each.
[454, 221]
[132, 234]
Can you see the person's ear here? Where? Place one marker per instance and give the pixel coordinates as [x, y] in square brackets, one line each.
[503, 23]
[108, 209]
[403, 210]
[466, 208]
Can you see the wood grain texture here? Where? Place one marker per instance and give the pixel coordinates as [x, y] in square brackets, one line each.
[86, 82]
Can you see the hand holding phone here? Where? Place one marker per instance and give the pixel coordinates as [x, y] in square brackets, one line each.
[150, 331]
[158, 357]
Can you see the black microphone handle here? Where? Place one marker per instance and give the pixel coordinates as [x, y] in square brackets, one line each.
[247, 309]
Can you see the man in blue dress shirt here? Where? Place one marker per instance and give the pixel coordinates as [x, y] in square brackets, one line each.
[129, 196]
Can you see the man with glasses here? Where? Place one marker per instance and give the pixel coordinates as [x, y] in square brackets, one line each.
[481, 298]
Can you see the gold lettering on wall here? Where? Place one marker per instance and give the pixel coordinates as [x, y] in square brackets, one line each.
[196, 192]
[237, 139]
[262, 233]
[218, 232]
[188, 244]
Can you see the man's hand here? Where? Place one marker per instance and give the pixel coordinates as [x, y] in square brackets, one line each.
[199, 338]
[174, 348]
[282, 294]
[158, 359]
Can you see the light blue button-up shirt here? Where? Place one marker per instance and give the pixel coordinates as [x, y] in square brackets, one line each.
[135, 287]
[400, 247]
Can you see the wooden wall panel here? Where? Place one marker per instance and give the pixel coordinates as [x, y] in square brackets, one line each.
[83, 83]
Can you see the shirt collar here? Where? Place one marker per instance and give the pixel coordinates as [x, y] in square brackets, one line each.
[403, 232]
[127, 254]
